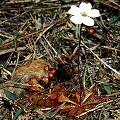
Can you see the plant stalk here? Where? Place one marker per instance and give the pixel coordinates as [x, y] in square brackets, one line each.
[79, 65]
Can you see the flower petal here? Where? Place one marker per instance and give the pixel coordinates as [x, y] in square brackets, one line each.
[74, 10]
[85, 7]
[94, 13]
[76, 19]
[88, 21]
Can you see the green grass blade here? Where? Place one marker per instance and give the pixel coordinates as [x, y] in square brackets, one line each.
[106, 86]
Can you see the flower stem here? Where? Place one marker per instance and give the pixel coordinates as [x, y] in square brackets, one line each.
[79, 65]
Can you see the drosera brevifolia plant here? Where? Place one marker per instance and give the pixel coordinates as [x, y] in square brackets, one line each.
[77, 103]
[82, 15]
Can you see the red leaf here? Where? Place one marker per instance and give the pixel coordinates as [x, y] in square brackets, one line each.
[53, 95]
[32, 80]
[46, 68]
[94, 100]
[77, 96]
[32, 98]
[63, 98]
[67, 108]
[53, 71]
[56, 92]
[80, 110]
[76, 111]
[87, 94]
[33, 84]
[45, 103]
[59, 88]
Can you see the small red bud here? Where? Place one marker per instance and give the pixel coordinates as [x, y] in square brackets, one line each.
[51, 75]
[77, 96]
[90, 30]
[53, 71]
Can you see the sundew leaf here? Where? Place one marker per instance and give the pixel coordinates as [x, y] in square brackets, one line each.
[17, 114]
[10, 95]
[88, 93]
[63, 98]
[114, 19]
[106, 86]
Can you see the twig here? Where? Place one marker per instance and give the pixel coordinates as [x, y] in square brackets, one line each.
[98, 107]
[50, 45]
[16, 63]
[114, 70]
[48, 28]
[114, 3]
[43, 30]
[11, 50]
[56, 111]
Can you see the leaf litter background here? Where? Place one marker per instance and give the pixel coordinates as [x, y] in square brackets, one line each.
[42, 30]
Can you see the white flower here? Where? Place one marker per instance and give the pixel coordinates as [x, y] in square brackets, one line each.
[83, 14]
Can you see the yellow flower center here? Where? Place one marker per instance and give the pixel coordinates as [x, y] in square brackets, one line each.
[84, 14]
